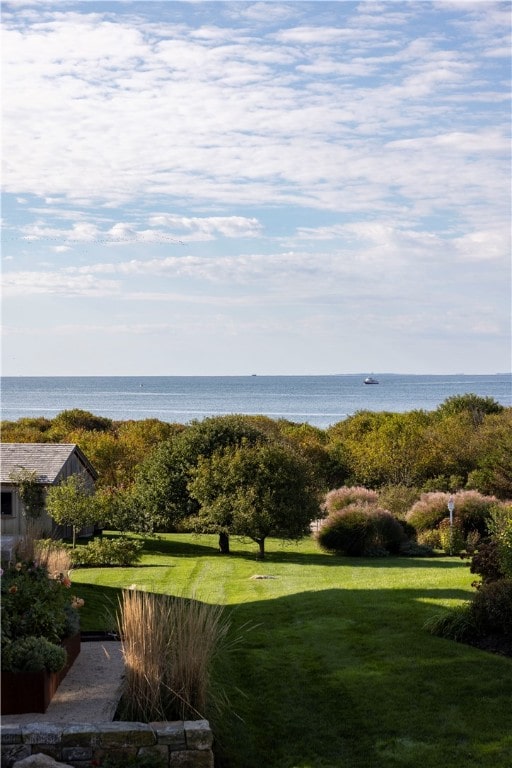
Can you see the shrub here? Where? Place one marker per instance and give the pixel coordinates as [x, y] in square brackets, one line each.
[430, 539]
[500, 526]
[428, 512]
[486, 562]
[411, 548]
[347, 496]
[358, 530]
[473, 509]
[451, 537]
[34, 604]
[121, 551]
[389, 533]
[33, 654]
[348, 532]
[492, 608]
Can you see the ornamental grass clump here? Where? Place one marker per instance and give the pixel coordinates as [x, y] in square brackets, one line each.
[339, 498]
[360, 530]
[169, 645]
[471, 519]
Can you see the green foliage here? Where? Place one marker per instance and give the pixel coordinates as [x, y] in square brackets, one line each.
[119, 551]
[70, 503]
[429, 538]
[71, 420]
[472, 512]
[358, 530]
[492, 608]
[35, 605]
[500, 528]
[486, 561]
[344, 634]
[161, 495]
[451, 537]
[475, 405]
[456, 624]
[33, 654]
[255, 491]
[384, 448]
[398, 499]
[31, 492]
[492, 472]
[37, 613]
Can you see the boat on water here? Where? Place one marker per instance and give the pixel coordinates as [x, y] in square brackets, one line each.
[370, 380]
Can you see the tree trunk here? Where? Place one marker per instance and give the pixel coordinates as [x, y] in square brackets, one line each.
[224, 543]
[261, 545]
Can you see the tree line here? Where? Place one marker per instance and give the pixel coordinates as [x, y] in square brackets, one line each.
[255, 476]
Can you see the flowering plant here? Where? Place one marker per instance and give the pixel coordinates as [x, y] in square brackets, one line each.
[35, 606]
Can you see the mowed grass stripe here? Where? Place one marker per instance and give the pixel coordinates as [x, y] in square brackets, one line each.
[332, 668]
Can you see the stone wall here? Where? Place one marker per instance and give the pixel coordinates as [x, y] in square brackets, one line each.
[182, 744]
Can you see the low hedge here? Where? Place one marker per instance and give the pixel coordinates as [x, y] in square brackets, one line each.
[103, 552]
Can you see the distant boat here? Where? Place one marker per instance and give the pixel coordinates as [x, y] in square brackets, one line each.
[370, 380]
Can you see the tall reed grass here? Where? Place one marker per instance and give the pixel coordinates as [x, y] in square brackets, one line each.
[169, 646]
[53, 555]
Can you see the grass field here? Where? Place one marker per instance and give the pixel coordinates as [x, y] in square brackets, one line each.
[331, 667]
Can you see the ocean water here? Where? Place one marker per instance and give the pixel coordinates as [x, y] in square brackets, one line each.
[317, 400]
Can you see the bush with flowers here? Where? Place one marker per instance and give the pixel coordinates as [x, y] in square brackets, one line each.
[37, 612]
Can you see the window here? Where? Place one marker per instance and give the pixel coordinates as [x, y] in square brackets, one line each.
[6, 503]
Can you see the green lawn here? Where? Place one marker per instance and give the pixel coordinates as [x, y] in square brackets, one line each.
[332, 668]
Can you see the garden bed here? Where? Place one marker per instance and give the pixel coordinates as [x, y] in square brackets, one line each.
[24, 692]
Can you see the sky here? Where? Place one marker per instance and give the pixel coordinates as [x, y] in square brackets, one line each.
[278, 188]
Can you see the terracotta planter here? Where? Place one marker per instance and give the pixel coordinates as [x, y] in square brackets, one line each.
[24, 692]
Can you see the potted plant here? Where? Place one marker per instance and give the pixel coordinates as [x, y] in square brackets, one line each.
[40, 635]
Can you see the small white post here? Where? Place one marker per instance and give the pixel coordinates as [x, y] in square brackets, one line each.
[451, 507]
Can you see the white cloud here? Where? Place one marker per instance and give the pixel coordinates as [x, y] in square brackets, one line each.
[360, 151]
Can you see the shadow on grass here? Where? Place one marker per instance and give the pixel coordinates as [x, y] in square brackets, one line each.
[348, 677]
[287, 554]
[351, 678]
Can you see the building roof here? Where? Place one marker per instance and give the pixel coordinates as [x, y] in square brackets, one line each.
[46, 459]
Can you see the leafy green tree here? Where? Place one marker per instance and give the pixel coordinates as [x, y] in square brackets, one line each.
[160, 493]
[255, 491]
[475, 405]
[493, 462]
[76, 418]
[71, 503]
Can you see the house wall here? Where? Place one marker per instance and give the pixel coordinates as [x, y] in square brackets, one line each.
[15, 524]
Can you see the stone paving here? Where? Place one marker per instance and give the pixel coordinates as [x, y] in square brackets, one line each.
[90, 691]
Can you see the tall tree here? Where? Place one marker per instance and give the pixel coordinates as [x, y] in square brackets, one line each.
[161, 492]
[255, 491]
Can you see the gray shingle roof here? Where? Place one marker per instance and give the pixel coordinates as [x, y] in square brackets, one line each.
[46, 459]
